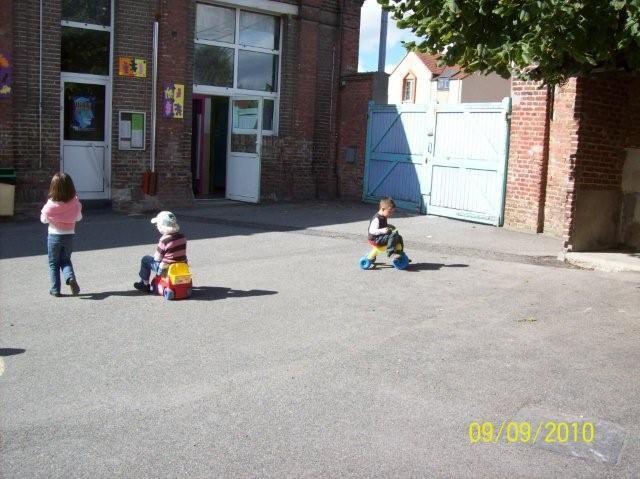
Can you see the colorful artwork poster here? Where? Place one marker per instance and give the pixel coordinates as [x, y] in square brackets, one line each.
[173, 106]
[83, 113]
[5, 75]
[132, 67]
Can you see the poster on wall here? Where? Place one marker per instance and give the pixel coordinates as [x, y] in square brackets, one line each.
[83, 113]
[132, 67]
[173, 100]
[5, 75]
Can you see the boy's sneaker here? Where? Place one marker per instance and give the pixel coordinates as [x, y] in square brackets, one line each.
[55, 293]
[73, 284]
[141, 286]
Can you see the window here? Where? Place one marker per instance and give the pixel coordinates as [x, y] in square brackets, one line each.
[443, 84]
[216, 24]
[95, 12]
[257, 71]
[408, 89]
[85, 45]
[213, 65]
[268, 109]
[238, 52]
[84, 51]
[84, 107]
[258, 30]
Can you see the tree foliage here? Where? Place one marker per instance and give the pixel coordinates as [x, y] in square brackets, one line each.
[548, 40]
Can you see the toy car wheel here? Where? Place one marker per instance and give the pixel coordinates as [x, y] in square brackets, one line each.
[365, 263]
[402, 262]
[168, 294]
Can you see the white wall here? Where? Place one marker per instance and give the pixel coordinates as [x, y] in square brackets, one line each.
[410, 63]
[452, 95]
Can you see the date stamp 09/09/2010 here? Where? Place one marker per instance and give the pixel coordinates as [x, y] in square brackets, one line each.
[525, 432]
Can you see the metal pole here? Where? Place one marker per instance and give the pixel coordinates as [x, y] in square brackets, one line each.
[154, 82]
[40, 96]
[382, 52]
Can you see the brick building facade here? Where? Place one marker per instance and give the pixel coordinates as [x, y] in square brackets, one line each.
[316, 45]
[574, 163]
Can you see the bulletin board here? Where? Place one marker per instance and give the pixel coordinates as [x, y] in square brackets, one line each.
[131, 130]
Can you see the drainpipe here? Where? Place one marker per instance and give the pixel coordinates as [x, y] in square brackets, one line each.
[40, 96]
[154, 82]
[336, 60]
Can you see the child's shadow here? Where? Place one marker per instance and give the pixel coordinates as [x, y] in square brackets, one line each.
[200, 293]
[433, 266]
[107, 294]
[415, 267]
[213, 293]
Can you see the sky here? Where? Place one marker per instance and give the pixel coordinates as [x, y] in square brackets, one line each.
[370, 38]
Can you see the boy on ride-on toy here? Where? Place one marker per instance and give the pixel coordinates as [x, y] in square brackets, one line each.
[172, 248]
[382, 233]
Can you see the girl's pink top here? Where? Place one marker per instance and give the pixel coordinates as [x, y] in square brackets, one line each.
[62, 217]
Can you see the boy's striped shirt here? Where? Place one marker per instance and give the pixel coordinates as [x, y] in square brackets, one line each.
[171, 248]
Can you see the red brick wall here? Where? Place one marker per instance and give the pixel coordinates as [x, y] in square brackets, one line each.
[133, 38]
[528, 150]
[355, 94]
[6, 104]
[578, 182]
[559, 203]
[318, 46]
[632, 139]
[175, 65]
[592, 219]
[36, 154]
[601, 105]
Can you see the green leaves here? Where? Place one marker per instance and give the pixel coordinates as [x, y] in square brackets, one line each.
[547, 40]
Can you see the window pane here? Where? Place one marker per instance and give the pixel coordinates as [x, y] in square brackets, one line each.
[257, 30]
[85, 51]
[268, 109]
[84, 112]
[257, 71]
[215, 23]
[408, 90]
[244, 143]
[245, 115]
[96, 12]
[213, 66]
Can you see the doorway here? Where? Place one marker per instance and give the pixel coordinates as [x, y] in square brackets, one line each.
[85, 134]
[210, 132]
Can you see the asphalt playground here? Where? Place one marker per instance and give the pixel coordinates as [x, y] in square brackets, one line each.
[290, 361]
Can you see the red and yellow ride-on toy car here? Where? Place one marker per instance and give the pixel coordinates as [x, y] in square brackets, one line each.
[175, 284]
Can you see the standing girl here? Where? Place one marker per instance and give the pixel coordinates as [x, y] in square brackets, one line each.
[61, 212]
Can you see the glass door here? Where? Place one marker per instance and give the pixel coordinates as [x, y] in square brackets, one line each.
[245, 142]
[86, 59]
[84, 140]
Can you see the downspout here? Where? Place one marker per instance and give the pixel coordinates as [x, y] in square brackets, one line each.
[336, 137]
[154, 81]
[40, 96]
[332, 131]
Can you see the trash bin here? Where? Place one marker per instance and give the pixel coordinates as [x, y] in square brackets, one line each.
[7, 191]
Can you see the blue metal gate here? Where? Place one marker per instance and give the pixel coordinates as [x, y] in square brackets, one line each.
[449, 160]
